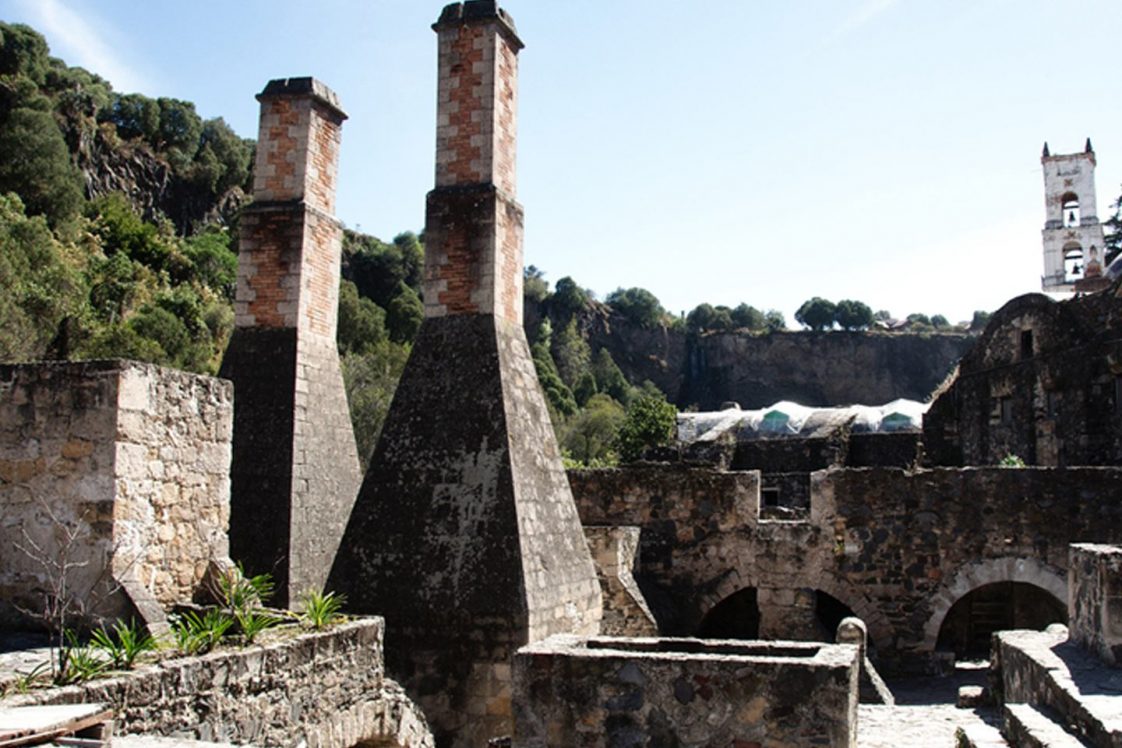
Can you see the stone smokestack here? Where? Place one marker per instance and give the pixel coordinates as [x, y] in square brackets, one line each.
[465, 535]
[295, 470]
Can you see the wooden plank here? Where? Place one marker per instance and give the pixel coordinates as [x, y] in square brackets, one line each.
[26, 725]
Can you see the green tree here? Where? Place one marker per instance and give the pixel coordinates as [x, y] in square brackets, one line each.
[23, 51]
[638, 305]
[121, 230]
[35, 164]
[749, 317]
[816, 313]
[362, 323]
[707, 317]
[775, 320]
[589, 437]
[535, 288]
[939, 322]
[404, 315]
[211, 261]
[585, 388]
[609, 378]
[650, 422]
[134, 116]
[568, 298]
[571, 353]
[42, 286]
[557, 394]
[371, 379]
[1112, 244]
[853, 315]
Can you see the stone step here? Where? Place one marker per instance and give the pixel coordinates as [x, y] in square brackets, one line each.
[979, 735]
[1027, 726]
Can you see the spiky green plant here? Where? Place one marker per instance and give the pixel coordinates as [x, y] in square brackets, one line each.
[321, 610]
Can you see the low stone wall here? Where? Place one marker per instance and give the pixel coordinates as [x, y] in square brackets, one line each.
[612, 691]
[1095, 599]
[117, 471]
[325, 690]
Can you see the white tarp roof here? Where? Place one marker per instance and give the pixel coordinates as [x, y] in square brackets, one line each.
[787, 419]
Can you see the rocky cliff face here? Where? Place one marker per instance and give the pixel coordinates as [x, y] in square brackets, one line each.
[818, 368]
[148, 181]
[812, 368]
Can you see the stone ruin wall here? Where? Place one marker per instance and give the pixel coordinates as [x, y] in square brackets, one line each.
[898, 548]
[661, 692]
[135, 459]
[321, 690]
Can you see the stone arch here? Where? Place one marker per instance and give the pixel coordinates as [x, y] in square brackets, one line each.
[991, 571]
[391, 720]
[880, 632]
[733, 581]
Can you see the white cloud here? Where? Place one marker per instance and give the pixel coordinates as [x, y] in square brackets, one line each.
[862, 14]
[81, 41]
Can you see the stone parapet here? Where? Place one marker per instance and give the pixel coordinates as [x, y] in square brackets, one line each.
[1095, 599]
[323, 690]
[643, 691]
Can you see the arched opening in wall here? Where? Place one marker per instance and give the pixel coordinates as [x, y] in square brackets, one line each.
[1070, 202]
[735, 617]
[829, 612]
[971, 622]
[1073, 262]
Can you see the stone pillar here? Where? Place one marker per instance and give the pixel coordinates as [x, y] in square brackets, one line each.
[296, 470]
[465, 535]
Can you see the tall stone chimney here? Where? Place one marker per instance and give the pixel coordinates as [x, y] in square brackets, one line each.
[465, 535]
[295, 471]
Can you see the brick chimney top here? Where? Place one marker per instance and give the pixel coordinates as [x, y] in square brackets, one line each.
[479, 11]
[301, 87]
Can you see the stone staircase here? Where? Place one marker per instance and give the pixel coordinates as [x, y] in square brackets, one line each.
[1055, 693]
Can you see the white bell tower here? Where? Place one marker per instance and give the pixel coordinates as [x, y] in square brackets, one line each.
[1073, 236]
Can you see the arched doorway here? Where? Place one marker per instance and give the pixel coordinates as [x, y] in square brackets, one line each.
[971, 622]
[829, 612]
[735, 617]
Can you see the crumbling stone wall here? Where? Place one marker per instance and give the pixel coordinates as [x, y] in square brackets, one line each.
[640, 691]
[898, 548]
[615, 551]
[1043, 383]
[1095, 593]
[133, 459]
[323, 690]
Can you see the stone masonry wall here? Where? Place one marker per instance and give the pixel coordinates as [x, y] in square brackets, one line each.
[131, 460]
[898, 548]
[605, 692]
[1095, 594]
[323, 690]
[614, 551]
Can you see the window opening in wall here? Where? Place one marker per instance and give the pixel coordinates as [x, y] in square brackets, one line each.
[1006, 405]
[1073, 263]
[1026, 344]
[770, 495]
[1071, 209]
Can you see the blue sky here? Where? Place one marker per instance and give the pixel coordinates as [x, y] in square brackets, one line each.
[720, 151]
